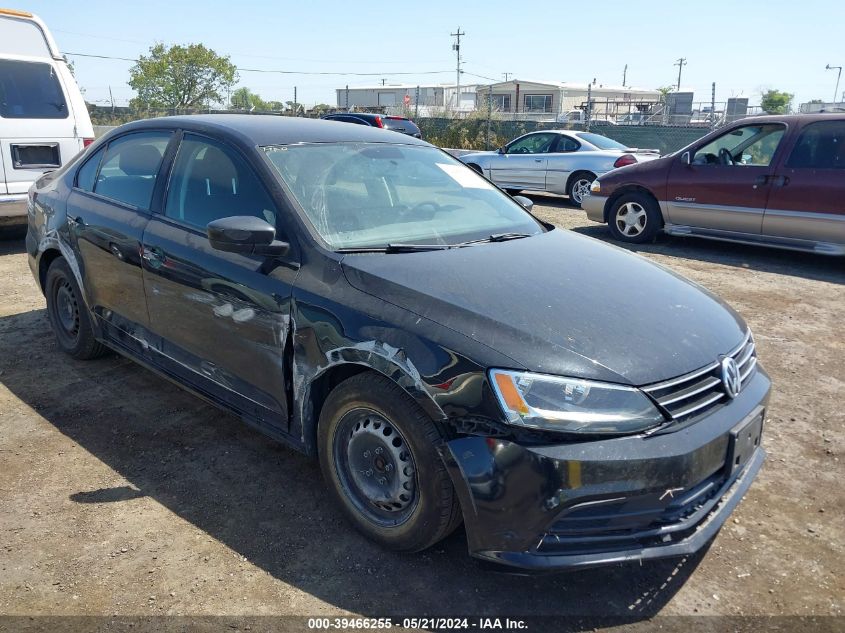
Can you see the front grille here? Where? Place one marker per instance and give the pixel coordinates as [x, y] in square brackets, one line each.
[693, 394]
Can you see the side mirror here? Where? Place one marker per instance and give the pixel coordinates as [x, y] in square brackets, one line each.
[245, 234]
[685, 158]
[525, 202]
[501, 150]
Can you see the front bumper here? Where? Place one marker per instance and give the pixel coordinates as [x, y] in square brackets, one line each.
[594, 205]
[602, 502]
[13, 209]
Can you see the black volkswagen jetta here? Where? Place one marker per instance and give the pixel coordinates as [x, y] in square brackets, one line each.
[369, 300]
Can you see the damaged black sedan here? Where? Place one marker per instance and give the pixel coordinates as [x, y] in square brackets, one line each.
[369, 300]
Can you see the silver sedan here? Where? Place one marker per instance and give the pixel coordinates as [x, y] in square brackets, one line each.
[557, 161]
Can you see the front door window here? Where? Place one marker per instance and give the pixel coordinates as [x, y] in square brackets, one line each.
[749, 145]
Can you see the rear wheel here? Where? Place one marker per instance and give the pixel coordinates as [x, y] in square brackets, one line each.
[378, 454]
[579, 186]
[68, 313]
[475, 167]
[634, 218]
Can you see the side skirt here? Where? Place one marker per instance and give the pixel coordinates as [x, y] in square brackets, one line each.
[788, 243]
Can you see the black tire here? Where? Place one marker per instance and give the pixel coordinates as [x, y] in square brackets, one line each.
[575, 188]
[354, 422]
[68, 313]
[649, 221]
[475, 167]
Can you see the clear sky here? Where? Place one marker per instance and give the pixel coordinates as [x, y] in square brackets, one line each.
[744, 46]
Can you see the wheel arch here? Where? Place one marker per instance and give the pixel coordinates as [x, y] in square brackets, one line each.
[311, 391]
[576, 173]
[626, 189]
[44, 261]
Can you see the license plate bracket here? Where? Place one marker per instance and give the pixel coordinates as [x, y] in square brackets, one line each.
[745, 438]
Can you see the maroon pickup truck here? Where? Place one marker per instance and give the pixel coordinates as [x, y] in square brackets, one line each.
[773, 180]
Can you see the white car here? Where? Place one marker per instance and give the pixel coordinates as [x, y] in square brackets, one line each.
[556, 161]
[43, 119]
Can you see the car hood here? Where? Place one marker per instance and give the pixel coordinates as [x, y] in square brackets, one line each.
[560, 303]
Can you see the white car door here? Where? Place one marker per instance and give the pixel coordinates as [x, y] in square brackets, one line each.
[562, 162]
[523, 163]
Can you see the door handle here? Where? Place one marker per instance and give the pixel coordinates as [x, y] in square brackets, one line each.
[780, 181]
[761, 180]
[538, 160]
[77, 221]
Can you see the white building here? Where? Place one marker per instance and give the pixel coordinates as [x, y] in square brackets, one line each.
[389, 95]
[522, 96]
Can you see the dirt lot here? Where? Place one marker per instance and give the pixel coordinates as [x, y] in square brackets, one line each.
[121, 494]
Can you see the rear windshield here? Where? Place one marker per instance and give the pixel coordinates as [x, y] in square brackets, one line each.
[602, 142]
[30, 90]
[400, 125]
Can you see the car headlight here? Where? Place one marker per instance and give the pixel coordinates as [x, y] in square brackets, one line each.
[572, 405]
[595, 187]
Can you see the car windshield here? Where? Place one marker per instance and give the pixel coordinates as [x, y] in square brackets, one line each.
[371, 195]
[602, 142]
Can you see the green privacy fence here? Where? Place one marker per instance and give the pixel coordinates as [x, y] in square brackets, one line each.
[471, 133]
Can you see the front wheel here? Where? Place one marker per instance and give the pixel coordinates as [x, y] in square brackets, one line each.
[634, 218]
[579, 186]
[378, 455]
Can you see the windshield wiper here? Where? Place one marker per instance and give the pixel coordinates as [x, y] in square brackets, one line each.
[414, 248]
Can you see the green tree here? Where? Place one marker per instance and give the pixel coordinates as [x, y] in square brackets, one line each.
[244, 99]
[776, 102]
[664, 92]
[181, 77]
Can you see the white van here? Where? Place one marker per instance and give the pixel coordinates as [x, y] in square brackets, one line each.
[43, 118]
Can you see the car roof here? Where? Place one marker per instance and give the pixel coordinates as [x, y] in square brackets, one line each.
[258, 129]
[792, 118]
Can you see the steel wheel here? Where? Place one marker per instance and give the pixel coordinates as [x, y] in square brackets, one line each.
[631, 219]
[67, 310]
[375, 467]
[580, 188]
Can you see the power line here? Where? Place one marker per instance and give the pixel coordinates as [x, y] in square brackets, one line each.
[285, 72]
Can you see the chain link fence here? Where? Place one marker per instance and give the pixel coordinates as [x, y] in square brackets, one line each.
[478, 134]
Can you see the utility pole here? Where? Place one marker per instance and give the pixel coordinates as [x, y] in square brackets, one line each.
[417, 103]
[682, 61]
[714, 122]
[347, 97]
[507, 76]
[838, 77]
[382, 81]
[295, 108]
[625, 75]
[111, 98]
[457, 48]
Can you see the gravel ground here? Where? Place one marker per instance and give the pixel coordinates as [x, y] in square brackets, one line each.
[122, 494]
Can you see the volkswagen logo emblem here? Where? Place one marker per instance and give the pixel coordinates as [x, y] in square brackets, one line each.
[730, 377]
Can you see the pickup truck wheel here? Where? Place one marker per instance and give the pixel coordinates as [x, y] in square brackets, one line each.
[579, 186]
[68, 314]
[634, 218]
[378, 455]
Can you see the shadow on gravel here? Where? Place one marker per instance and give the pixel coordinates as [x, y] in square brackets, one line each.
[12, 240]
[268, 503]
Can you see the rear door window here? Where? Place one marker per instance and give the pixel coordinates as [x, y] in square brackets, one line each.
[130, 168]
[30, 90]
[820, 146]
